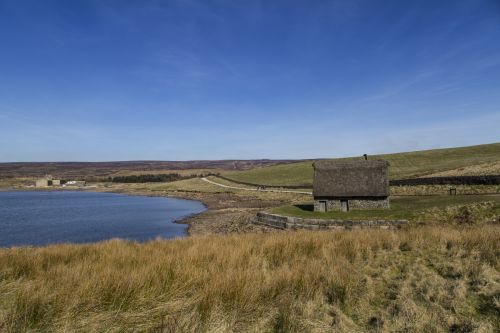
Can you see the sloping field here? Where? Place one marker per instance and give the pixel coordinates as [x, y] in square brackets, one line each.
[449, 161]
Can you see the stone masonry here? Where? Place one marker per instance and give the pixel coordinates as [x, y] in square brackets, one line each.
[294, 223]
[335, 204]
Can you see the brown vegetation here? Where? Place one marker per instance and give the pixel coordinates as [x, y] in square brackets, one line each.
[430, 279]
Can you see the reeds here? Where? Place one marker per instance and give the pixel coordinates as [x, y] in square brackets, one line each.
[418, 280]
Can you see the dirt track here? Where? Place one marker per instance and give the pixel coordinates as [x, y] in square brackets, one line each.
[254, 189]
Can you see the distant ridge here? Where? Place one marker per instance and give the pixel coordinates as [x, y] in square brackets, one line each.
[105, 169]
[460, 161]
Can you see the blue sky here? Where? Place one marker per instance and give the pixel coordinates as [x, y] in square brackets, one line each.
[198, 79]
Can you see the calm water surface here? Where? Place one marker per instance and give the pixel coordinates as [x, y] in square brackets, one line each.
[40, 218]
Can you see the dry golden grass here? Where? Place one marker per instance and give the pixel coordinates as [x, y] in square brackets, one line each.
[430, 279]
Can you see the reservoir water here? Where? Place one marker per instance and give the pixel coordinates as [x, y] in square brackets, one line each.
[41, 218]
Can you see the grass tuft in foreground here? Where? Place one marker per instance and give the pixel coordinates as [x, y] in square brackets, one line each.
[429, 279]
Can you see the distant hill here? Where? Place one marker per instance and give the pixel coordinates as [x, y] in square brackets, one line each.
[105, 169]
[473, 160]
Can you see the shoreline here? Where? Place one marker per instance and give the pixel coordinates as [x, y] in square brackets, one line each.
[182, 220]
[224, 212]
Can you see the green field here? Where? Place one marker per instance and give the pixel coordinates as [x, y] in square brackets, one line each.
[444, 208]
[403, 165]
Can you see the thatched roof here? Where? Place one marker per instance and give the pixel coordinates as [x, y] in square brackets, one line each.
[351, 178]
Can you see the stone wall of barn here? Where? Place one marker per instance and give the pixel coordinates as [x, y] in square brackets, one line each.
[354, 204]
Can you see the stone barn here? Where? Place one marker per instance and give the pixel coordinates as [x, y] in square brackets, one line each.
[347, 185]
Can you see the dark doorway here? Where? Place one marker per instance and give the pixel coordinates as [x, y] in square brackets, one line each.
[322, 206]
[344, 205]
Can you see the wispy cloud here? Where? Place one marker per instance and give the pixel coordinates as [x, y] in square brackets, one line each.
[395, 88]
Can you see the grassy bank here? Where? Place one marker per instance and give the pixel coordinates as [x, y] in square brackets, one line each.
[474, 160]
[445, 208]
[421, 280]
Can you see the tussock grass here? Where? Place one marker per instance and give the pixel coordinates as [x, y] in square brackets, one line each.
[430, 279]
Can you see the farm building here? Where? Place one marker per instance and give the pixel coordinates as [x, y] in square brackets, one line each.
[347, 185]
[43, 182]
[47, 181]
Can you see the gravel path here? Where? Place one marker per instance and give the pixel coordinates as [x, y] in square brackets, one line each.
[254, 189]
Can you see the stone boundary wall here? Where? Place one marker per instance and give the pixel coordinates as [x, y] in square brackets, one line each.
[451, 180]
[296, 223]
